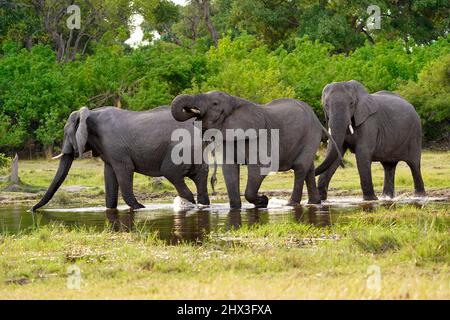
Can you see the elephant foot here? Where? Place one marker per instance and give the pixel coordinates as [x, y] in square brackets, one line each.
[262, 202]
[370, 197]
[204, 201]
[420, 194]
[314, 201]
[235, 205]
[388, 195]
[323, 195]
[137, 206]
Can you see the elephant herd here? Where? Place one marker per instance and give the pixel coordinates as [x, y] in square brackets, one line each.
[380, 127]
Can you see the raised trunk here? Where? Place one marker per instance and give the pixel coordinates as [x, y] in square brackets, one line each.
[338, 133]
[63, 169]
[182, 107]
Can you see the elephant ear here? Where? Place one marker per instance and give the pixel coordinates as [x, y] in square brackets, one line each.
[325, 92]
[82, 131]
[365, 103]
[245, 115]
[69, 144]
[366, 107]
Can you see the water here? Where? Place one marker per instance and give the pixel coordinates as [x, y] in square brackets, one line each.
[190, 224]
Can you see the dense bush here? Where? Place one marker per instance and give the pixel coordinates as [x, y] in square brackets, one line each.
[5, 162]
[431, 96]
[37, 93]
[246, 68]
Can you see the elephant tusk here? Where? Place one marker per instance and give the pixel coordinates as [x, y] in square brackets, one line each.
[57, 157]
[351, 129]
[195, 110]
[329, 131]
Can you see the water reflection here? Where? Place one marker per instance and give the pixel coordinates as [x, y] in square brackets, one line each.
[313, 215]
[185, 226]
[193, 225]
[190, 228]
[234, 219]
[120, 223]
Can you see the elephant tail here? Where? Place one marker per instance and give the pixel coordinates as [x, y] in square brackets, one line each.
[324, 166]
[213, 179]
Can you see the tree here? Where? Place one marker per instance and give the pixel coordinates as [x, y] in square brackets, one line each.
[412, 21]
[159, 15]
[417, 21]
[204, 6]
[430, 95]
[271, 21]
[99, 18]
[19, 22]
[246, 68]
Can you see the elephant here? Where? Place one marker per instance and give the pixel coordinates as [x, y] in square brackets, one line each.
[381, 126]
[128, 142]
[300, 134]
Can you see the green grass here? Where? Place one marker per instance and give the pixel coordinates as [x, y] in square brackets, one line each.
[283, 260]
[36, 176]
[410, 244]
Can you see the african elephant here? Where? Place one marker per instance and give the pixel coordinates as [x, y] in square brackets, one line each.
[300, 134]
[380, 127]
[127, 142]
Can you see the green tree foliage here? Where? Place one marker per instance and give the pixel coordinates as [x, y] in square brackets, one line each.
[430, 94]
[245, 68]
[160, 16]
[19, 22]
[272, 21]
[267, 50]
[37, 94]
[308, 68]
[34, 96]
[45, 22]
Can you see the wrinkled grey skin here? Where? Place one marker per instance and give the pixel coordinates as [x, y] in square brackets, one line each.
[128, 142]
[386, 129]
[300, 134]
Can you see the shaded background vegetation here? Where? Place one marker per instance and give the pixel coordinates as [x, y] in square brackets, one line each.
[256, 49]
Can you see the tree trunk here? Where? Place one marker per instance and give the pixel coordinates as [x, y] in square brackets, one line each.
[48, 152]
[15, 170]
[204, 6]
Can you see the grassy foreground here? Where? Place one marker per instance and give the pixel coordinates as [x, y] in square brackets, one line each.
[286, 260]
[410, 245]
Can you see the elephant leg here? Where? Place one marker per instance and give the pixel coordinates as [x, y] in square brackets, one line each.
[201, 183]
[125, 180]
[389, 178]
[313, 192]
[255, 178]
[231, 176]
[419, 188]
[364, 165]
[111, 187]
[325, 178]
[297, 191]
[181, 187]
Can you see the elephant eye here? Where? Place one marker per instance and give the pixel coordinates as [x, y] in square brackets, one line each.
[215, 103]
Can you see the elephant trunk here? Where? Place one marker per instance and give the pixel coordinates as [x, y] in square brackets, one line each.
[63, 169]
[337, 133]
[184, 107]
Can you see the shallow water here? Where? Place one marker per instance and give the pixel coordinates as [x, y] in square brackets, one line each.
[175, 224]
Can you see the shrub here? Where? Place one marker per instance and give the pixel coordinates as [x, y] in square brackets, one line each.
[431, 97]
[5, 161]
